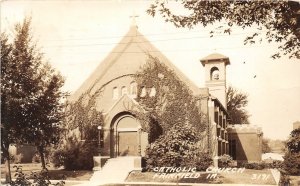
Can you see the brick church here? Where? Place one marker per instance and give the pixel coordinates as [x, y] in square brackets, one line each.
[122, 134]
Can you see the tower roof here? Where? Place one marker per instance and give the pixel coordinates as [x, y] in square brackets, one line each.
[214, 58]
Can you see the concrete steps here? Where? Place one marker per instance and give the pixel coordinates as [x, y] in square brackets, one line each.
[115, 170]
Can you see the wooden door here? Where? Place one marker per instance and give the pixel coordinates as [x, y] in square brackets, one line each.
[128, 143]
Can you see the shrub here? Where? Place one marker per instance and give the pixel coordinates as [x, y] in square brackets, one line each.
[203, 161]
[291, 163]
[75, 155]
[16, 158]
[224, 160]
[177, 147]
[36, 158]
[33, 179]
[256, 166]
[284, 179]
[248, 165]
[275, 164]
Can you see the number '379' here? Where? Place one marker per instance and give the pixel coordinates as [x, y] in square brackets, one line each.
[260, 176]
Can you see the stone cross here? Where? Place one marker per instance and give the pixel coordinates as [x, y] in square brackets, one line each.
[133, 19]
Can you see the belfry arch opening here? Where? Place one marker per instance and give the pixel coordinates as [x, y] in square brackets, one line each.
[214, 73]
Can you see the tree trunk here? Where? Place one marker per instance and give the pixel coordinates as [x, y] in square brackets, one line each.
[41, 152]
[7, 165]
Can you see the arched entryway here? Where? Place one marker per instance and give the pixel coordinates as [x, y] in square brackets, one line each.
[127, 136]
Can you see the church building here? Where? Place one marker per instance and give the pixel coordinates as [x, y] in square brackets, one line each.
[122, 133]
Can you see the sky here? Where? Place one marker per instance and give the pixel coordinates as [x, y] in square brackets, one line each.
[75, 36]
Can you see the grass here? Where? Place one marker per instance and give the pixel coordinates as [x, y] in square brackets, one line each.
[247, 177]
[137, 176]
[70, 175]
[54, 173]
[295, 180]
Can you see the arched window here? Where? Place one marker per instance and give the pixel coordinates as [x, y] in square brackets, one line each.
[123, 90]
[214, 73]
[115, 93]
[133, 89]
[143, 92]
[152, 92]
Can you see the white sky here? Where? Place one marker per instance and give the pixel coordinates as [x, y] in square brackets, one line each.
[77, 35]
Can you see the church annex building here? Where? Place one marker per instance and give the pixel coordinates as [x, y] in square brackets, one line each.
[122, 133]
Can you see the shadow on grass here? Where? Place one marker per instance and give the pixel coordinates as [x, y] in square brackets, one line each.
[69, 175]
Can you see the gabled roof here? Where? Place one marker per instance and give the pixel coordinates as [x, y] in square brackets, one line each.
[133, 46]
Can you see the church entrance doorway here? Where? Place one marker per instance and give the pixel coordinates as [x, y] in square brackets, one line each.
[128, 137]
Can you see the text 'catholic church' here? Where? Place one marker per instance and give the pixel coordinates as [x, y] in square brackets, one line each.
[122, 134]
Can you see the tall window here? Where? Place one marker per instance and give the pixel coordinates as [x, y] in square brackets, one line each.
[216, 117]
[220, 121]
[220, 148]
[232, 149]
[143, 92]
[115, 93]
[133, 89]
[152, 92]
[123, 90]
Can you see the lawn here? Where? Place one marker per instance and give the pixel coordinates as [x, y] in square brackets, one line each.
[249, 176]
[295, 180]
[54, 173]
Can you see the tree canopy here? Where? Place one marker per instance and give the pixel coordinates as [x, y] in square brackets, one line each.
[265, 145]
[293, 142]
[291, 163]
[278, 21]
[236, 103]
[31, 105]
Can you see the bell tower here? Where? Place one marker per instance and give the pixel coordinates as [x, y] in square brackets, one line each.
[215, 75]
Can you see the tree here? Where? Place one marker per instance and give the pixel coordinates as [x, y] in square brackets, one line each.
[166, 99]
[47, 114]
[291, 163]
[236, 103]
[265, 145]
[279, 20]
[30, 94]
[8, 104]
[293, 143]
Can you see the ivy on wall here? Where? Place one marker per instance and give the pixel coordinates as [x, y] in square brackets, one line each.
[173, 103]
[85, 117]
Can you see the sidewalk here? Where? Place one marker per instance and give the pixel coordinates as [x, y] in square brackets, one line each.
[87, 183]
[184, 184]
